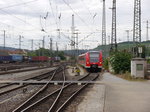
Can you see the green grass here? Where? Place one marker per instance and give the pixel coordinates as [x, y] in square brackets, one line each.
[127, 76]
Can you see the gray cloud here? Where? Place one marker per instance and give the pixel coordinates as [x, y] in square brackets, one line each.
[84, 21]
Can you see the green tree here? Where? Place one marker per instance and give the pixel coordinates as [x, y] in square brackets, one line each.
[106, 63]
[47, 52]
[61, 55]
[120, 62]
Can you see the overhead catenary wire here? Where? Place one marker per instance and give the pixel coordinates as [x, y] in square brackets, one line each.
[9, 6]
[33, 9]
[90, 13]
[87, 8]
[53, 13]
[77, 15]
[81, 20]
[17, 18]
[14, 27]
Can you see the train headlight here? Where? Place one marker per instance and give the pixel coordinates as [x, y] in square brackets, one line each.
[100, 62]
[88, 63]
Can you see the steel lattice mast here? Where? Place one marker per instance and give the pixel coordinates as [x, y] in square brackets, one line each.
[104, 25]
[137, 22]
[72, 34]
[113, 34]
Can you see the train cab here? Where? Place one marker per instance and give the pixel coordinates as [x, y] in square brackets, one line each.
[91, 60]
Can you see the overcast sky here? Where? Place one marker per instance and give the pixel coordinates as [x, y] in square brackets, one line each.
[22, 17]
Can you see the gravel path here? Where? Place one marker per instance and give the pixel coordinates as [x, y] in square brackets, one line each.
[24, 75]
[11, 103]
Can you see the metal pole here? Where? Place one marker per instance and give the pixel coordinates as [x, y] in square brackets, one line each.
[39, 54]
[4, 38]
[137, 22]
[104, 30]
[32, 44]
[19, 41]
[104, 25]
[43, 42]
[137, 25]
[72, 37]
[127, 35]
[39, 49]
[51, 51]
[77, 44]
[147, 27]
[113, 33]
[127, 31]
[56, 49]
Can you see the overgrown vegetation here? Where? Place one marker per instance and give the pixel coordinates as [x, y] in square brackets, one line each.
[120, 62]
[148, 60]
[128, 77]
[106, 64]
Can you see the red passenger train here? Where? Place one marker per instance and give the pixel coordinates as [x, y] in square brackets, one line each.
[91, 60]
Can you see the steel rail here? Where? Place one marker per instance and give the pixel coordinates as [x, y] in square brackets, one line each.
[25, 104]
[14, 83]
[50, 95]
[18, 87]
[64, 105]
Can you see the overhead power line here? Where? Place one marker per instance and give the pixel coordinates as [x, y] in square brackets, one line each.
[76, 14]
[53, 13]
[9, 6]
[87, 8]
[18, 18]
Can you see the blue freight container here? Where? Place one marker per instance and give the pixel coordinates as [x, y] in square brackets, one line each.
[17, 58]
[5, 58]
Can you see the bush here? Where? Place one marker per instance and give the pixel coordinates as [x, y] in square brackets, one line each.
[148, 60]
[105, 64]
[120, 62]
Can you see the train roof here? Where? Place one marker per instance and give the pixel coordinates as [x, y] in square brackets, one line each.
[93, 51]
[89, 52]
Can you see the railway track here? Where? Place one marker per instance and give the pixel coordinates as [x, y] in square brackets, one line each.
[19, 89]
[40, 77]
[57, 100]
[16, 69]
[13, 67]
[33, 78]
[44, 91]
[22, 70]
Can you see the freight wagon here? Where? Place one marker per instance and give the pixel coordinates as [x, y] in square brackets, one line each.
[55, 59]
[5, 59]
[20, 58]
[11, 58]
[17, 58]
[39, 58]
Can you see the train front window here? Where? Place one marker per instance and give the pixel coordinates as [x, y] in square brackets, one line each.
[94, 57]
